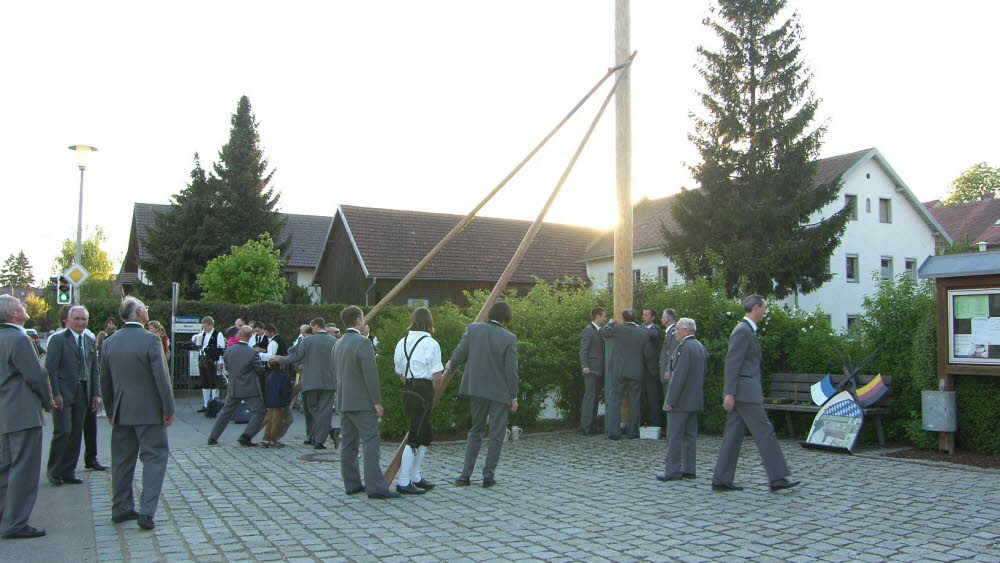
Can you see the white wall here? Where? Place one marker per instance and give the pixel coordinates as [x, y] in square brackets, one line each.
[647, 262]
[305, 279]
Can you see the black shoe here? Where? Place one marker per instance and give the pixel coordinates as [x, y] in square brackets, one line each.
[24, 533]
[202, 409]
[424, 484]
[615, 437]
[96, 466]
[488, 482]
[783, 484]
[307, 443]
[245, 442]
[212, 441]
[384, 496]
[725, 487]
[56, 481]
[146, 522]
[72, 481]
[356, 491]
[688, 476]
[632, 437]
[125, 517]
[463, 482]
[666, 477]
[319, 447]
[409, 489]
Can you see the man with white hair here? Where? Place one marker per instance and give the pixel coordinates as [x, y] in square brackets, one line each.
[684, 401]
[24, 394]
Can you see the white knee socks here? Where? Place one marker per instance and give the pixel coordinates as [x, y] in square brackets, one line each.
[207, 395]
[417, 462]
[405, 466]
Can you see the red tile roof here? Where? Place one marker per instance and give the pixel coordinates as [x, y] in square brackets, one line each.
[976, 219]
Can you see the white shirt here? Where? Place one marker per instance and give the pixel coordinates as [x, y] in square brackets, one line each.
[201, 340]
[49, 339]
[272, 349]
[425, 358]
[753, 325]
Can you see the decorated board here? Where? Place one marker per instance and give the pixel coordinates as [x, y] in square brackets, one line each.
[837, 424]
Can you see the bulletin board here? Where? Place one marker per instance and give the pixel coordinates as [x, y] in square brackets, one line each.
[974, 328]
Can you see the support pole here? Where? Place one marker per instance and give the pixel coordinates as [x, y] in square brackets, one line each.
[623, 166]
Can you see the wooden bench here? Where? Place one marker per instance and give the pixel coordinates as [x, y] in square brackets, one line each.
[789, 392]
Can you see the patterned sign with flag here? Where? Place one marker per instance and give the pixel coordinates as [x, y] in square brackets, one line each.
[822, 391]
[837, 423]
[871, 393]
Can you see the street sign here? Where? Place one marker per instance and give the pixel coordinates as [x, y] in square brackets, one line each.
[76, 274]
[187, 324]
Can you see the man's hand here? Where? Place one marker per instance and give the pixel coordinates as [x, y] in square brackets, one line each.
[95, 403]
[669, 408]
[666, 376]
[729, 403]
[168, 420]
[57, 403]
[49, 407]
[379, 411]
[272, 362]
[513, 405]
[365, 330]
[586, 371]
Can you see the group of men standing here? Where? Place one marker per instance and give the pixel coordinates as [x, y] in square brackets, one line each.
[633, 362]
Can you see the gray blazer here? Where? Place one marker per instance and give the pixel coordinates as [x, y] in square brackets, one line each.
[491, 353]
[742, 373]
[24, 385]
[687, 378]
[667, 349]
[135, 386]
[62, 361]
[358, 388]
[592, 349]
[243, 366]
[314, 354]
[631, 345]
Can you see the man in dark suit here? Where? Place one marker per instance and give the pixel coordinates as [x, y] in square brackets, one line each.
[71, 361]
[744, 403]
[626, 366]
[684, 402]
[319, 381]
[592, 362]
[244, 367]
[359, 401]
[490, 381]
[24, 393]
[140, 406]
[652, 388]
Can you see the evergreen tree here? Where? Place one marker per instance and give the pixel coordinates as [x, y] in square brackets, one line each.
[16, 272]
[758, 152]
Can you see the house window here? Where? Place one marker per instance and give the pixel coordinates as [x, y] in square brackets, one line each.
[851, 203]
[884, 210]
[637, 277]
[418, 303]
[868, 205]
[662, 273]
[828, 319]
[885, 268]
[911, 268]
[292, 278]
[852, 268]
[611, 280]
[851, 321]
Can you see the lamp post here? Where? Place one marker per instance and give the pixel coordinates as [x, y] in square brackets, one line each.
[82, 152]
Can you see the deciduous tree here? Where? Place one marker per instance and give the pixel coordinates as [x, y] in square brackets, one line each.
[93, 257]
[251, 273]
[979, 182]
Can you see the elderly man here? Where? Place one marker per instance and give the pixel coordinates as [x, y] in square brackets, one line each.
[140, 406]
[244, 366]
[24, 393]
[71, 361]
[319, 381]
[684, 401]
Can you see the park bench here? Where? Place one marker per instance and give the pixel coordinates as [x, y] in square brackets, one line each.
[789, 392]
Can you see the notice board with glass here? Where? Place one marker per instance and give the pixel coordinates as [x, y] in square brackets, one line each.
[974, 330]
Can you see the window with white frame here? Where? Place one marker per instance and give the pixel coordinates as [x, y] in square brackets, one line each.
[852, 268]
[418, 303]
[663, 273]
[885, 268]
[911, 268]
[851, 203]
[884, 210]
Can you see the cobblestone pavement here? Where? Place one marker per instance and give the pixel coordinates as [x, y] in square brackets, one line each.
[559, 497]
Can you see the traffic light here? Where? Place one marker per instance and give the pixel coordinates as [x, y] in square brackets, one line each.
[64, 295]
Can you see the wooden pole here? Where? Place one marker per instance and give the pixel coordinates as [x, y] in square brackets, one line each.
[623, 166]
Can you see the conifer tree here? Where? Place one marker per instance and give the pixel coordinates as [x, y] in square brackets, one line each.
[748, 228]
[16, 271]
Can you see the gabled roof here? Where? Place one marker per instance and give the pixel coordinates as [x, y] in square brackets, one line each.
[976, 219]
[647, 214]
[390, 242]
[308, 234]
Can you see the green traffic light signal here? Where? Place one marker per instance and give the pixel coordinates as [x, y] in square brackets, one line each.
[63, 298]
[64, 295]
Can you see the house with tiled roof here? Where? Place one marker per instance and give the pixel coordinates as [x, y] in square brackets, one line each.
[369, 250]
[890, 232]
[975, 221]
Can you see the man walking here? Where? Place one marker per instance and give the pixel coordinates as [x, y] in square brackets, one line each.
[319, 381]
[592, 362]
[140, 406]
[684, 402]
[626, 365]
[744, 403]
[490, 381]
[244, 368]
[24, 394]
[71, 362]
[359, 401]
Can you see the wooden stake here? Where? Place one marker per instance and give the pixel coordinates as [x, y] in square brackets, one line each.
[623, 170]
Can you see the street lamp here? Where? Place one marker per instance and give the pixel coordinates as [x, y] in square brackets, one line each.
[82, 152]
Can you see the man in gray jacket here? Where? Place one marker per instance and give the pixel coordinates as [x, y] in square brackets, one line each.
[744, 403]
[684, 402]
[140, 406]
[319, 381]
[592, 362]
[244, 366]
[24, 393]
[359, 401]
[626, 366]
[490, 382]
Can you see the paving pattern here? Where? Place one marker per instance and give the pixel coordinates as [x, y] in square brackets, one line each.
[560, 497]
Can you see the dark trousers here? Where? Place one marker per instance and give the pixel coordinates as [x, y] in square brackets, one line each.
[652, 400]
[90, 437]
[20, 460]
[257, 412]
[591, 394]
[67, 430]
[496, 412]
[418, 398]
[623, 387]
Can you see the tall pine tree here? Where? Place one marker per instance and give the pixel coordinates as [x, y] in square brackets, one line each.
[16, 271]
[748, 226]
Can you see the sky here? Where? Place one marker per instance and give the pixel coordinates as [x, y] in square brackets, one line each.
[428, 105]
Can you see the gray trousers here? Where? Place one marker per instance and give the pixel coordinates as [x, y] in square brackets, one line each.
[257, 412]
[148, 443]
[682, 442]
[623, 387]
[754, 417]
[318, 408]
[497, 413]
[20, 462]
[361, 426]
[67, 434]
[588, 410]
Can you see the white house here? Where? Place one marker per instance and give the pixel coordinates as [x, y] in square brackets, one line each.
[891, 232]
